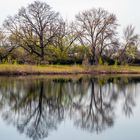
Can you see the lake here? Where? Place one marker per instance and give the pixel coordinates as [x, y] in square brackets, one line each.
[70, 108]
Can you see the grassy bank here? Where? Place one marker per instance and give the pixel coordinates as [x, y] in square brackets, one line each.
[15, 69]
[9, 69]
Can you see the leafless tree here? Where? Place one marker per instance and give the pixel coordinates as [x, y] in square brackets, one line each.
[64, 40]
[98, 31]
[129, 45]
[33, 28]
[5, 46]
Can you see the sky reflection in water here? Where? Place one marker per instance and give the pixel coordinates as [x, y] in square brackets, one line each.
[61, 108]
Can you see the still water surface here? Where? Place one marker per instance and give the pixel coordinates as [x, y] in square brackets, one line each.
[84, 108]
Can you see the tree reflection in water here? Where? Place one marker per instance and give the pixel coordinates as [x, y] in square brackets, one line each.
[37, 107]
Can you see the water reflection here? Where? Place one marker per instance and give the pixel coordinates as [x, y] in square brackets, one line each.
[38, 106]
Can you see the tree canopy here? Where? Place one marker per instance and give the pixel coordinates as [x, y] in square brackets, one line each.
[40, 35]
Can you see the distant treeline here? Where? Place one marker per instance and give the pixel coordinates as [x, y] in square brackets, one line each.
[39, 35]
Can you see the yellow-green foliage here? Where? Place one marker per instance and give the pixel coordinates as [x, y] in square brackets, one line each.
[100, 61]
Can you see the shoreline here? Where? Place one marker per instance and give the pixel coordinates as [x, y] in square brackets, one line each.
[66, 73]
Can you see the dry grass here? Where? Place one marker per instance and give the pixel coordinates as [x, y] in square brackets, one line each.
[116, 69]
[15, 69]
[34, 69]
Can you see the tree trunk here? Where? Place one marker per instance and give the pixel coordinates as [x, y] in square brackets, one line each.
[93, 56]
[42, 48]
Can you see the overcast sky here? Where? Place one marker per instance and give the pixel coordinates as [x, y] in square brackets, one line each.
[127, 11]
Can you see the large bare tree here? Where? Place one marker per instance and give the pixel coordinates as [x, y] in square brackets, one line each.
[129, 45]
[64, 40]
[98, 31]
[33, 28]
